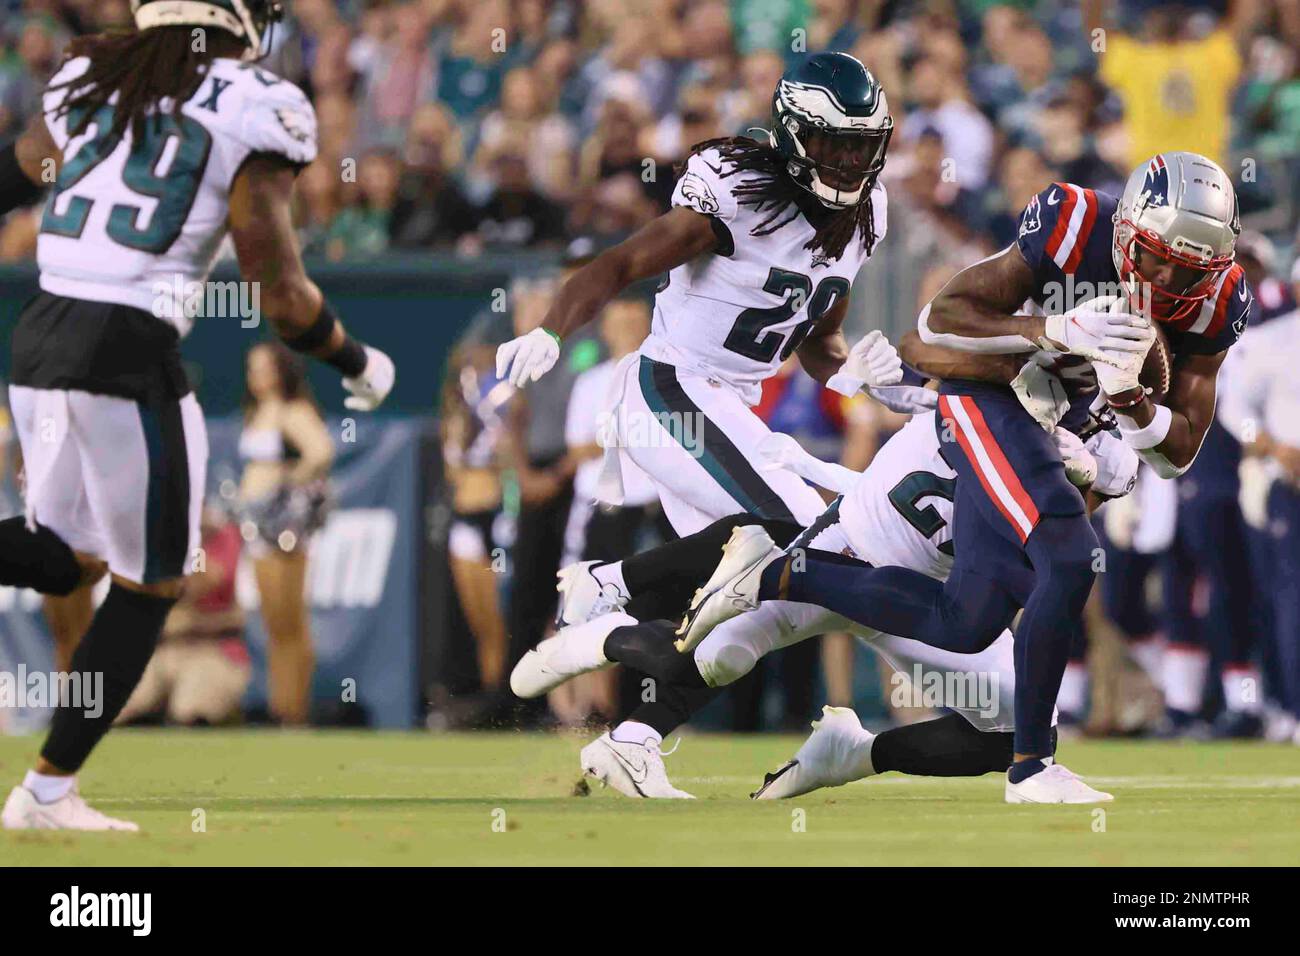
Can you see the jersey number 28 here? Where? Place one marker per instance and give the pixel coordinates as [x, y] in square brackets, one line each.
[749, 336]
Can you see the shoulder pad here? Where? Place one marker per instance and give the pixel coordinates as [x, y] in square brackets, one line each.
[702, 187]
[277, 117]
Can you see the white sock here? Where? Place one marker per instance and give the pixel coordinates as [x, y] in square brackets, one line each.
[860, 762]
[48, 788]
[1074, 686]
[1241, 689]
[1149, 654]
[611, 574]
[1184, 678]
[583, 646]
[635, 732]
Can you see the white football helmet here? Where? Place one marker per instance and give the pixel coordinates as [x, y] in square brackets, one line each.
[1176, 231]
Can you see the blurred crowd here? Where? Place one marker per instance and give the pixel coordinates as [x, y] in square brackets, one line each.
[474, 125]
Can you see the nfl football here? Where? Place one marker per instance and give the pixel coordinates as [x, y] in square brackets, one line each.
[1158, 369]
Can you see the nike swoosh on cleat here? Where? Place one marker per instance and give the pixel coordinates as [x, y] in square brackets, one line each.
[771, 778]
[632, 768]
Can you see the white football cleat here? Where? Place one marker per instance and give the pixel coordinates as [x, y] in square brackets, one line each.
[733, 587]
[838, 752]
[23, 811]
[571, 651]
[633, 769]
[1054, 784]
[583, 597]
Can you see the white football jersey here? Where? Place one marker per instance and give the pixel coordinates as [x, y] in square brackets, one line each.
[735, 315]
[899, 513]
[139, 224]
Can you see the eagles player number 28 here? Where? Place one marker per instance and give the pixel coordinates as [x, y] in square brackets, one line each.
[748, 338]
[173, 189]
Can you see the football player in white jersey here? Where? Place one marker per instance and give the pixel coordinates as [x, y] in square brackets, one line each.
[898, 512]
[761, 246]
[157, 143]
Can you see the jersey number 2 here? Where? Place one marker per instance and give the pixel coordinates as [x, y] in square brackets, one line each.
[748, 337]
[174, 188]
[905, 495]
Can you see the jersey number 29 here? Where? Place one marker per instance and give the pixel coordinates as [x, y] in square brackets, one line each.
[173, 188]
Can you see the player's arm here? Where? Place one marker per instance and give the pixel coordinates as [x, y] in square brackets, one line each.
[975, 311]
[823, 352]
[24, 166]
[939, 362]
[674, 238]
[261, 226]
[1168, 436]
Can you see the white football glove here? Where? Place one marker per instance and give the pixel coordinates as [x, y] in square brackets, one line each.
[1041, 391]
[1080, 466]
[528, 357]
[1095, 332]
[1117, 464]
[872, 362]
[1123, 372]
[371, 387]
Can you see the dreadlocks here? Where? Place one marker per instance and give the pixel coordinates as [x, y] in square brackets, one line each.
[775, 193]
[142, 67]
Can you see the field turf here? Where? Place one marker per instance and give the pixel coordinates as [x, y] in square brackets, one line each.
[319, 797]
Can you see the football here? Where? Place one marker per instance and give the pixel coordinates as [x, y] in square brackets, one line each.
[1157, 370]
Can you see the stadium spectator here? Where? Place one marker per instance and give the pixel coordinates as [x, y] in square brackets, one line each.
[287, 453]
[474, 408]
[515, 214]
[431, 208]
[524, 117]
[200, 670]
[600, 532]
[537, 453]
[360, 230]
[943, 105]
[1174, 76]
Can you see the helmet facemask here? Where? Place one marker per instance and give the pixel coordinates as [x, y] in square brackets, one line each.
[1176, 231]
[1165, 283]
[839, 167]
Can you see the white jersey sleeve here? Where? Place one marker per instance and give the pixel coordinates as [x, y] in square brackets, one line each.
[701, 187]
[280, 120]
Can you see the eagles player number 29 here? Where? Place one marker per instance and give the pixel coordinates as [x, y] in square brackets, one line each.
[748, 338]
[173, 189]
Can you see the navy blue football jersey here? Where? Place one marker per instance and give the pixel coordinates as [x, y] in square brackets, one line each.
[1066, 236]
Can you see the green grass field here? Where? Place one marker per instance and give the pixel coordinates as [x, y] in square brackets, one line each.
[413, 799]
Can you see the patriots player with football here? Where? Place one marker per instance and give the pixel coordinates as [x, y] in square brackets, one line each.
[898, 512]
[162, 145]
[761, 246]
[1021, 535]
